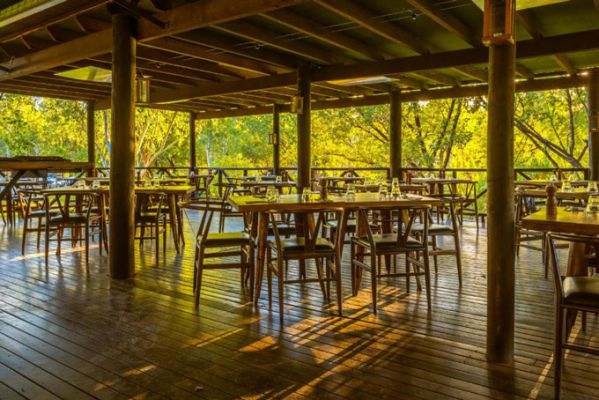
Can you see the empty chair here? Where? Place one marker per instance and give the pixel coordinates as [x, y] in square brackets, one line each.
[33, 212]
[375, 246]
[221, 246]
[307, 245]
[150, 219]
[73, 211]
[573, 293]
[450, 229]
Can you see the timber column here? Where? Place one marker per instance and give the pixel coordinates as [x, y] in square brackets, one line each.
[593, 98]
[192, 142]
[395, 134]
[122, 156]
[500, 195]
[276, 139]
[91, 137]
[304, 157]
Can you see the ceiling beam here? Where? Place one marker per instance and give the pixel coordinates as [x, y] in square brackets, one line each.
[298, 48]
[526, 49]
[436, 94]
[446, 20]
[308, 27]
[368, 19]
[184, 18]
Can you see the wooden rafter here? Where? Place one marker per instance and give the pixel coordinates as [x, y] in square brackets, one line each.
[184, 18]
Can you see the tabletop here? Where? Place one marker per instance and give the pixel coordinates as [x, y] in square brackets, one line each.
[176, 189]
[294, 202]
[442, 180]
[575, 194]
[576, 222]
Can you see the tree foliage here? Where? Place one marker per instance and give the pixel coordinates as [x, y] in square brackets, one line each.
[551, 130]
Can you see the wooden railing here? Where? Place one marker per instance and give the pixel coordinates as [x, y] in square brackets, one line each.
[477, 174]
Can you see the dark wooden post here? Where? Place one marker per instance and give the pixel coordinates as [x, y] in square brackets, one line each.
[276, 136]
[122, 157]
[91, 137]
[395, 134]
[500, 201]
[192, 142]
[304, 157]
[593, 98]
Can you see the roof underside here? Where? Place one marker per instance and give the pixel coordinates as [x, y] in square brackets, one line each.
[220, 58]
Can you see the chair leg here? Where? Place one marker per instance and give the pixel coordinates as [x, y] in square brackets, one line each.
[408, 265]
[435, 257]
[39, 231]
[352, 270]
[280, 286]
[373, 281]
[157, 239]
[269, 268]
[25, 222]
[558, 356]
[320, 274]
[458, 254]
[47, 244]
[427, 280]
[86, 237]
[251, 269]
[199, 272]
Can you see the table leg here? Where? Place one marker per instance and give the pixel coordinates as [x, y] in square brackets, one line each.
[173, 216]
[261, 232]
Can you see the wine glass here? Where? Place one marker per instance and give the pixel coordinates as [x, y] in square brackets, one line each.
[350, 191]
[383, 189]
[592, 186]
[306, 194]
[395, 190]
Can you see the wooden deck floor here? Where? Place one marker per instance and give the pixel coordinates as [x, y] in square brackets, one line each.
[66, 333]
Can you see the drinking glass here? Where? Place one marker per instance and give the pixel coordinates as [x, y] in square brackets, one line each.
[306, 194]
[350, 191]
[592, 186]
[272, 194]
[278, 179]
[395, 190]
[383, 190]
[593, 204]
[566, 186]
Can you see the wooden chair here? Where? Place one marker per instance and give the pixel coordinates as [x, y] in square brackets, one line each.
[436, 230]
[526, 205]
[150, 220]
[211, 245]
[305, 245]
[69, 210]
[32, 205]
[573, 293]
[377, 246]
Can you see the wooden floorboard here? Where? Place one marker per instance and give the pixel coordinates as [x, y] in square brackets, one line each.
[73, 333]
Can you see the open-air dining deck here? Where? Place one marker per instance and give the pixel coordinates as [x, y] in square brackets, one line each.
[72, 333]
[133, 266]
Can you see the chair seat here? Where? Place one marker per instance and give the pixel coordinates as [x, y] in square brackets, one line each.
[351, 223]
[581, 291]
[76, 218]
[298, 245]
[388, 241]
[433, 228]
[36, 213]
[227, 239]
[146, 217]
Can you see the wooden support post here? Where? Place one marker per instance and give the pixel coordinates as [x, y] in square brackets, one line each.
[500, 201]
[91, 137]
[304, 157]
[395, 134]
[192, 142]
[276, 136]
[122, 157]
[593, 99]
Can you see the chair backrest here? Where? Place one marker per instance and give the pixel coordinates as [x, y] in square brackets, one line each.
[208, 208]
[148, 201]
[310, 231]
[401, 217]
[68, 202]
[590, 242]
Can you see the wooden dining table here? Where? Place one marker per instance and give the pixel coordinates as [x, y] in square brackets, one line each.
[259, 208]
[172, 193]
[576, 222]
